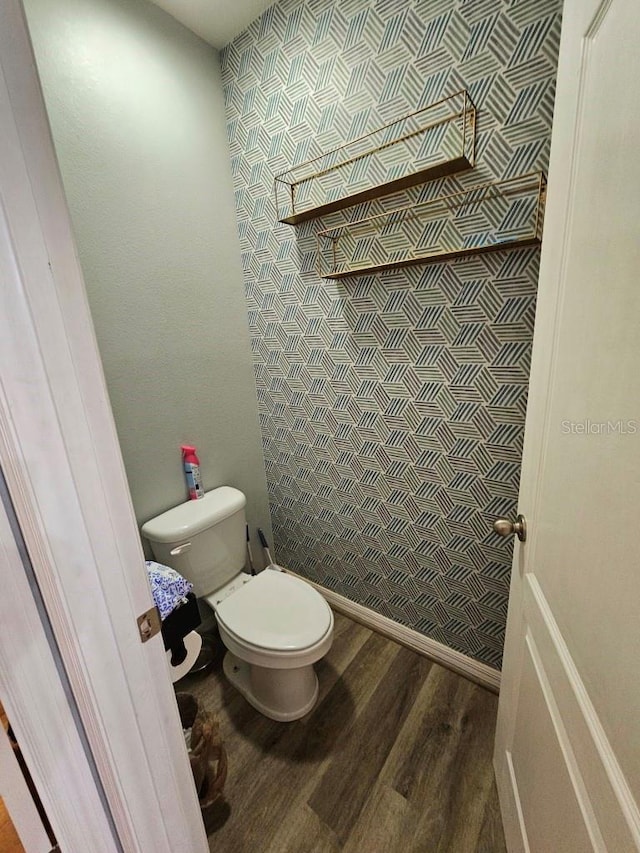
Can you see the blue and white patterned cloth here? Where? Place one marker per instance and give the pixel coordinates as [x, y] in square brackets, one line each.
[168, 587]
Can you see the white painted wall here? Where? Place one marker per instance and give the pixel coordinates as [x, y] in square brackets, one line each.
[136, 107]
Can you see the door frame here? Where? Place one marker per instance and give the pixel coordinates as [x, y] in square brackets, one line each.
[64, 474]
[50, 740]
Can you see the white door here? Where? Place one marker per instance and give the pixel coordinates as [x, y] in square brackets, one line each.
[568, 740]
[108, 755]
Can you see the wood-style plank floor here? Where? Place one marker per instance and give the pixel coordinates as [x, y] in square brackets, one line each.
[9, 841]
[394, 758]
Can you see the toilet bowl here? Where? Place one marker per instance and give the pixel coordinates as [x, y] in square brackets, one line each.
[274, 626]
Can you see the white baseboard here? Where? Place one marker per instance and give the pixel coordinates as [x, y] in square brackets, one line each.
[472, 669]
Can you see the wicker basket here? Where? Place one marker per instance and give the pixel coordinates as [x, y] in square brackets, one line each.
[207, 754]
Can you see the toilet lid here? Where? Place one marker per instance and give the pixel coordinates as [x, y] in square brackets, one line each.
[276, 611]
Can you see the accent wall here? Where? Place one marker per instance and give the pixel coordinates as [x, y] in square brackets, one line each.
[392, 405]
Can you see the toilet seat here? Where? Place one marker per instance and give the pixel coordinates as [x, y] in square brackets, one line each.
[277, 613]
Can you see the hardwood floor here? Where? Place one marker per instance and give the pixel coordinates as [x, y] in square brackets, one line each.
[395, 758]
[9, 841]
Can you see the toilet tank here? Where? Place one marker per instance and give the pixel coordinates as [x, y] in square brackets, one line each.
[204, 540]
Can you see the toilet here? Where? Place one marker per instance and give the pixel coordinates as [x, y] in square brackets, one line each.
[274, 626]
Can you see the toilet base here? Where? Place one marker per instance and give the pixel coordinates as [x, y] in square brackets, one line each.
[280, 694]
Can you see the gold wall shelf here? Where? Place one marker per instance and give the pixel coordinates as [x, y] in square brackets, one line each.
[487, 218]
[430, 143]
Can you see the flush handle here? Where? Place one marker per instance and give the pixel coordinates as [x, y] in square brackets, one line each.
[504, 527]
[180, 549]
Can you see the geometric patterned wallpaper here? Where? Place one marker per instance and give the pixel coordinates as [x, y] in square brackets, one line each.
[392, 405]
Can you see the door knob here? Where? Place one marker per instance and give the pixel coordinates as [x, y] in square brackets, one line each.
[504, 527]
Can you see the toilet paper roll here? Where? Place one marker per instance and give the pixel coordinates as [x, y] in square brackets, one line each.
[193, 644]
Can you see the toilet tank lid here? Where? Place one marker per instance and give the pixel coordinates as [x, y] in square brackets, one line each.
[191, 517]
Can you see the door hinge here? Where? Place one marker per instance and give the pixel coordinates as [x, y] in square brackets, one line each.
[149, 624]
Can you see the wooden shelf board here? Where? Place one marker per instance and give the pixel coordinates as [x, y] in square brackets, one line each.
[432, 259]
[438, 170]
